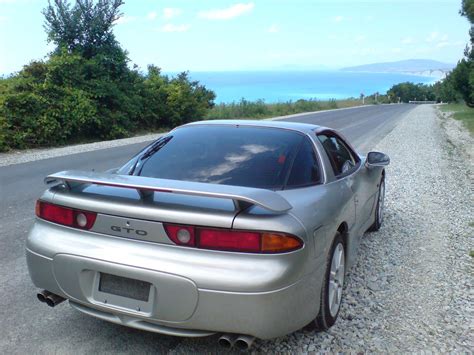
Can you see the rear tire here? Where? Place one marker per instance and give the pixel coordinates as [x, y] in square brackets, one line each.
[333, 283]
[379, 207]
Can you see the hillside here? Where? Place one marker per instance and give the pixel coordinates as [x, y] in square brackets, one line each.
[402, 66]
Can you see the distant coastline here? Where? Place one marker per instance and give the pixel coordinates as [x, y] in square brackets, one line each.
[411, 66]
[283, 86]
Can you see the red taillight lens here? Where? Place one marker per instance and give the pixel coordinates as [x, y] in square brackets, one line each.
[181, 235]
[65, 215]
[221, 239]
[232, 240]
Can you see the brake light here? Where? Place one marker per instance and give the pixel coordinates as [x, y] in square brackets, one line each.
[221, 239]
[64, 215]
[232, 240]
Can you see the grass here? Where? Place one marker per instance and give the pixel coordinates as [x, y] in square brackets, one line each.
[462, 113]
[260, 109]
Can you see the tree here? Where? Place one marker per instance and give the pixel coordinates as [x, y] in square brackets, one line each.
[409, 92]
[86, 89]
[467, 10]
[463, 74]
[84, 28]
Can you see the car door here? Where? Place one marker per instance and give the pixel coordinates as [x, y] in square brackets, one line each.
[348, 166]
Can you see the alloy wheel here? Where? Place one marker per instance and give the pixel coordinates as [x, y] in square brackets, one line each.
[336, 279]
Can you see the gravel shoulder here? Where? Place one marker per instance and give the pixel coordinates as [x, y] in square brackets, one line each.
[411, 289]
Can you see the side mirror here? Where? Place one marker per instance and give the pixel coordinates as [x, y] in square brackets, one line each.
[377, 159]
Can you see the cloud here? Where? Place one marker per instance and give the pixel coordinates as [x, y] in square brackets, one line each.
[273, 29]
[407, 40]
[3, 19]
[170, 12]
[443, 44]
[396, 50]
[124, 19]
[433, 36]
[152, 15]
[227, 13]
[169, 27]
[441, 40]
[338, 18]
[360, 38]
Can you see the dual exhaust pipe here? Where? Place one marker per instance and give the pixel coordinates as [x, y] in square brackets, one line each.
[241, 342]
[50, 298]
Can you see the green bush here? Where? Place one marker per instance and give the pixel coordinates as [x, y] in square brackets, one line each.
[69, 98]
[85, 90]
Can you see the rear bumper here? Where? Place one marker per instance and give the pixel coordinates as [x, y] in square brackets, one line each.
[179, 304]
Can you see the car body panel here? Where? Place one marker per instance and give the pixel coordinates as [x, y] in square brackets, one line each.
[196, 292]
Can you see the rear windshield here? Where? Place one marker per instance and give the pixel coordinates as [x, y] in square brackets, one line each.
[228, 155]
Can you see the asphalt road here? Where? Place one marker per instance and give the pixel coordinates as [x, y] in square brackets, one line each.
[28, 326]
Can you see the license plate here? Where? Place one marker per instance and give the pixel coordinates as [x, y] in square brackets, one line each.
[124, 287]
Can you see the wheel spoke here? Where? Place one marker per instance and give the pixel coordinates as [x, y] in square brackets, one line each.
[332, 294]
[339, 257]
[336, 280]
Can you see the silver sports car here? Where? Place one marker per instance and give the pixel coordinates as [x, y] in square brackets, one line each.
[242, 228]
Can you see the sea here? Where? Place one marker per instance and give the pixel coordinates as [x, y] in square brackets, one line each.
[282, 86]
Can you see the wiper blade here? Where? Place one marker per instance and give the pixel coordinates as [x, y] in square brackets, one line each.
[149, 152]
[156, 147]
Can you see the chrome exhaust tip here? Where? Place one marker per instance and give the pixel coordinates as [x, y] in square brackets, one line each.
[227, 340]
[53, 300]
[244, 342]
[43, 295]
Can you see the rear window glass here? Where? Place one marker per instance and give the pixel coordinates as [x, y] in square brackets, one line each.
[305, 170]
[228, 155]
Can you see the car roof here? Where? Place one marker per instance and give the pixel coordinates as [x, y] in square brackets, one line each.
[295, 126]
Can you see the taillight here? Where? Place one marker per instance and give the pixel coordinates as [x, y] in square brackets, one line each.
[232, 240]
[181, 235]
[221, 239]
[65, 215]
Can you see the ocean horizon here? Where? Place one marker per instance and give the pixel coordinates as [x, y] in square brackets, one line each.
[282, 86]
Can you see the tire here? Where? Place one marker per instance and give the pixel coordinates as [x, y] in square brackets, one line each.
[333, 283]
[379, 207]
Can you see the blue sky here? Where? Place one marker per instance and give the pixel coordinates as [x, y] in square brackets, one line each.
[261, 34]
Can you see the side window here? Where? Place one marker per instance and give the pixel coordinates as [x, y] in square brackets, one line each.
[340, 156]
[305, 170]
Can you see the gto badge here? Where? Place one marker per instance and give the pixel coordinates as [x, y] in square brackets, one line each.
[129, 230]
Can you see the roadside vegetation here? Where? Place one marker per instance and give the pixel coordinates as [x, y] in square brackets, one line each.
[461, 112]
[86, 90]
[260, 109]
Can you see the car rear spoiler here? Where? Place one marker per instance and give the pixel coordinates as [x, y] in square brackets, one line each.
[242, 197]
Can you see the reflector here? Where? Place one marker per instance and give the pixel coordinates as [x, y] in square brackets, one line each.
[173, 230]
